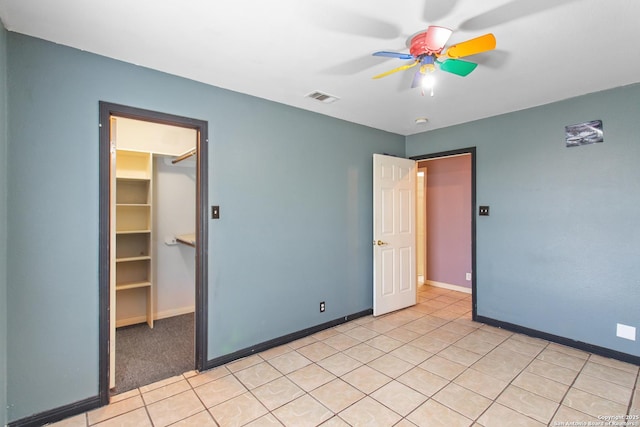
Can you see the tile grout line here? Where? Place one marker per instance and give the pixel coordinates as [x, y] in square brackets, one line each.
[511, 383]
[633, 393]
[402, 417]
[146, 410]
[571, 387]
[418, 366]
[193, 389]
[495, 400]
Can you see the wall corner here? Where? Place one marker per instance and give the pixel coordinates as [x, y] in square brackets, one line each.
[3, 222]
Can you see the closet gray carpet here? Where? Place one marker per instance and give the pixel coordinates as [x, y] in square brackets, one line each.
[145, 355]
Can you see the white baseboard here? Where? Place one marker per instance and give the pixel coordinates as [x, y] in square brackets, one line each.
[131, 321]
[159, 315]
[174, 312]
[449, 286]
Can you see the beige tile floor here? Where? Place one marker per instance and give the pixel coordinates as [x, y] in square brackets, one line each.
[427, 365]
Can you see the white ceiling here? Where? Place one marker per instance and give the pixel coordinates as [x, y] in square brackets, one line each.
[281, 50]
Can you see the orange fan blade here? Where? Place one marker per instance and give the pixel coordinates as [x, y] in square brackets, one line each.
[395, 70]
[471, 47]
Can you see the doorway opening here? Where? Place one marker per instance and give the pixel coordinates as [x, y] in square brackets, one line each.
[445, 226]
[136, 160]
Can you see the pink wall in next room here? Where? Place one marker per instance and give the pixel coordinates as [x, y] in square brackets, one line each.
[449, 219]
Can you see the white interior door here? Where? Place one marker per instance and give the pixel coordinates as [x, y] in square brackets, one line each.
[394, 233]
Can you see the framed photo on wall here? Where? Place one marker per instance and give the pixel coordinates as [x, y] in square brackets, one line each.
[584, 133]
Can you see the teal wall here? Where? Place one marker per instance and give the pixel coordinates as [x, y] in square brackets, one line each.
[294, 189]
[3, 224]
[559, 253]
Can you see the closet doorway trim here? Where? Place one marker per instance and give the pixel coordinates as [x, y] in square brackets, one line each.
[108, 110]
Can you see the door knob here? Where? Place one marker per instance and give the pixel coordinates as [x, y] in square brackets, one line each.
[380, 243]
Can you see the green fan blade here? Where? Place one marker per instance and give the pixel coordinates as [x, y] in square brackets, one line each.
[458, 67]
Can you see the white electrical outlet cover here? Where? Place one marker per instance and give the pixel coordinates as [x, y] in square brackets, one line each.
[626, 332]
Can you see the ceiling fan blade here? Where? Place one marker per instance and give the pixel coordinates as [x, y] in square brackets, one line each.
[435, 38]
[435, 10]
[511, 11]
[472, 47]
[342, 20]
[458, 67]
[394, 55]
[395, 70]
[417, 79]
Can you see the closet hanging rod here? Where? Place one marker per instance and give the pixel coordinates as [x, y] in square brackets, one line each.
[185, 155]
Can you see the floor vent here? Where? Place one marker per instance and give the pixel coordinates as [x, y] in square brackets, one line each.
[322, 97]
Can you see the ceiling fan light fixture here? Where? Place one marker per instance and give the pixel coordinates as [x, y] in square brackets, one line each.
[427, 83]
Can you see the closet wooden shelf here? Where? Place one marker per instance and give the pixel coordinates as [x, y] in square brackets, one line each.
[131, 177]
[132, 285]
[132, 231]
[133, 205]
[133, 258]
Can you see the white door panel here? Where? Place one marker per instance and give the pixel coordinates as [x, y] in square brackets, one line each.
[394, 218]
[387, 263]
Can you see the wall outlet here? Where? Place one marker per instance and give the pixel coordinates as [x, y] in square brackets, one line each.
[625, 331]
[322, 307]
[467, 277]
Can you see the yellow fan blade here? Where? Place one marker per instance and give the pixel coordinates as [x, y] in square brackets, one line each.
[473, 46]
[395, 70]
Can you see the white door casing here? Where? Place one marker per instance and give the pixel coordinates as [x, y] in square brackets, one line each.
[394, 233]
[421, 224]
[112, 256]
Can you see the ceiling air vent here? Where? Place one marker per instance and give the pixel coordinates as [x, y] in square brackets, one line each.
[322, 97]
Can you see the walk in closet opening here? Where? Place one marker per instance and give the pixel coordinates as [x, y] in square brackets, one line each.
[152, 305]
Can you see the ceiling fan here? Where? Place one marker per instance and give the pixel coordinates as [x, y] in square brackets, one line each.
[427, 49]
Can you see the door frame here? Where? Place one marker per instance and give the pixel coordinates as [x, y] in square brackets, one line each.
[472, 152]
[424, 221]
[201, 289]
